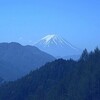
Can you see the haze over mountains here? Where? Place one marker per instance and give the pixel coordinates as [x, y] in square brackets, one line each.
[59, 80]
[42, 76]
[42, 54]
[17, 60]
[57, 46]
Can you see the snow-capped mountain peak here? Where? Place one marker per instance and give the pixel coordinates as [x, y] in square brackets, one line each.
[55, 40]
[48, 37]
[51, 39]
[56, 45]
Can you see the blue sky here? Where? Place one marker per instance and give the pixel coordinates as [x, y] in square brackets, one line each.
[26, 21]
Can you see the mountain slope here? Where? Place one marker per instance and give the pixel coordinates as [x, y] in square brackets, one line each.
[57, 46]
[59, 80]
[17, 60]
[43, 83]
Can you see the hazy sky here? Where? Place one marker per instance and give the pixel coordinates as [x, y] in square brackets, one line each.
[26, 21]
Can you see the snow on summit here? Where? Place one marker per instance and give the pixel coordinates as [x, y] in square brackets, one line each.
[56, 45]
[55, 40]
[50, 40]
[48, 37]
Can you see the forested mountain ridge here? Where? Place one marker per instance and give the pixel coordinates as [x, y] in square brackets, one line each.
[59, 80]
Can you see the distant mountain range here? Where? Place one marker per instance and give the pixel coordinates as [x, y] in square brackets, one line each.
[57, 46]
[17, 60]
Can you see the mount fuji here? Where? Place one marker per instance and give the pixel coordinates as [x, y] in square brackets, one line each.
[57, 46]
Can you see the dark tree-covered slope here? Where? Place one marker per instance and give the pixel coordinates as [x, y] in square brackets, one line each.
[59, 80]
